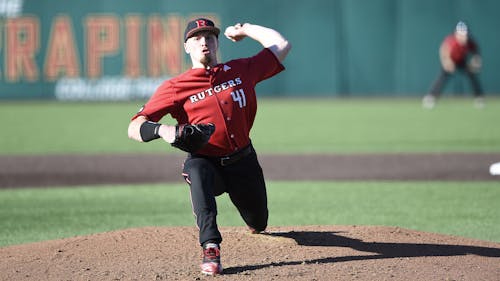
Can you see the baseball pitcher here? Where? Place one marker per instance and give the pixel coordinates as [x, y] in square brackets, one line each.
[215, 105]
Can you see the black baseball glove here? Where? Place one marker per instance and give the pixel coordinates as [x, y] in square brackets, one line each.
[192, 137]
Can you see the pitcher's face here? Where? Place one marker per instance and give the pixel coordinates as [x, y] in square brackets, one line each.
[202, 47]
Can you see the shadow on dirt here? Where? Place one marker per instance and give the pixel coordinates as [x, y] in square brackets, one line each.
[376, 250]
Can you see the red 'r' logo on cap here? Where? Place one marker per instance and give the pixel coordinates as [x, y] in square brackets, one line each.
[201, 23]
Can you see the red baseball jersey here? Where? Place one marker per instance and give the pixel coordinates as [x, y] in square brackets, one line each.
[223, 95]
[458, 53]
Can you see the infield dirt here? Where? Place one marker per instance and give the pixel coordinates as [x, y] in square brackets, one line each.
[67, 170]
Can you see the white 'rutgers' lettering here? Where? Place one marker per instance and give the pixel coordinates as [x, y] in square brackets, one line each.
[217, 89]
[193, 98]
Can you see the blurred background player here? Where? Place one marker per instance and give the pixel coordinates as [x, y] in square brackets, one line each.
[458, 51]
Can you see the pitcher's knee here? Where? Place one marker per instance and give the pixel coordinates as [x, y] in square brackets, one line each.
[257, 223]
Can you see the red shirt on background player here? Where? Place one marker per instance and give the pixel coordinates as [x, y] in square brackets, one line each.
[222, 94]
[456, 50]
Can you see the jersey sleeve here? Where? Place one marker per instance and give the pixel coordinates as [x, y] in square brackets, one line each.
[448, 41]
[263, 65]
[162, 102]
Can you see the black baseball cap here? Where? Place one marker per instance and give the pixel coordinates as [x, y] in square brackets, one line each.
[200, 24]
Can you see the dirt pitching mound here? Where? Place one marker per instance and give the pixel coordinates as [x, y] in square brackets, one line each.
[285, 253]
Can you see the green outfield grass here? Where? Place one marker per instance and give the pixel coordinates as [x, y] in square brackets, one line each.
[282, 125]
[467, 209]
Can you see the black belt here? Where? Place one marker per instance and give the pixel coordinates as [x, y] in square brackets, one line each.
[235, 157]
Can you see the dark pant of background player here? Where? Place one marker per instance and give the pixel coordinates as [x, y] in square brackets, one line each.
[443, 77]
[242, 180]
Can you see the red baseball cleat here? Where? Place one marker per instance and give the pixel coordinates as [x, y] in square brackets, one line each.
[211, 260]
